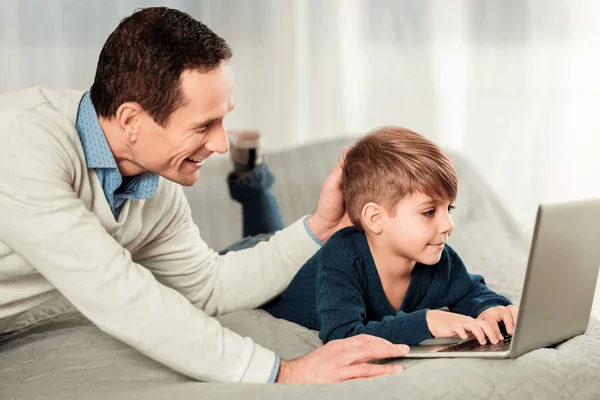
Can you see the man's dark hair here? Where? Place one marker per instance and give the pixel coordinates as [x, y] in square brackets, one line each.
[143, 58]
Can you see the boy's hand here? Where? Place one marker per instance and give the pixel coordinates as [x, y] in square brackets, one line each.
[447, 324]
[494, 315]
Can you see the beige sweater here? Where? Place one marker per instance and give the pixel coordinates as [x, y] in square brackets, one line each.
[147, 279]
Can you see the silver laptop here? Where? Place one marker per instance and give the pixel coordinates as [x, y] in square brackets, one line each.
[558, 291]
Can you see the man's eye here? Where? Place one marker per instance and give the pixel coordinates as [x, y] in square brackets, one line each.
[202, 129]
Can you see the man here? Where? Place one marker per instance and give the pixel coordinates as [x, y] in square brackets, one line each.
[85, 211]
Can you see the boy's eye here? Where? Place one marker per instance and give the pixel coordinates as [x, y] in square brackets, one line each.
[429, 213]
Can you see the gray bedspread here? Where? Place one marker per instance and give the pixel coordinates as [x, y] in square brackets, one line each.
[68, 358]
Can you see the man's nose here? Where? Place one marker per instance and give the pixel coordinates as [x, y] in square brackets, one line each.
[218, 142]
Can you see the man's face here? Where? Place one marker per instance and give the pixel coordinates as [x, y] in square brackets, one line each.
[419, 229]
[194, 130]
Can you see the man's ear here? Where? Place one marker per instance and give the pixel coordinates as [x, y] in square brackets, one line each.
[128, 117]
[372, 218]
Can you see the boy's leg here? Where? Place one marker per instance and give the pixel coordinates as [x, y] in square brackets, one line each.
[250, 185]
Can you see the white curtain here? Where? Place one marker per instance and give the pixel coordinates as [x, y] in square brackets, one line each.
[512, 84]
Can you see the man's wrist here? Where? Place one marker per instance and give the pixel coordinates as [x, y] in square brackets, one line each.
[282, 375]
[320, 230]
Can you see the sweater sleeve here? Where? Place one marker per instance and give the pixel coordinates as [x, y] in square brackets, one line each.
[341, 304]
[219, 284]
[43, 220]
[469, 293]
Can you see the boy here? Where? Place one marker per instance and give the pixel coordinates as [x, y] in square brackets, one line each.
[391, 272]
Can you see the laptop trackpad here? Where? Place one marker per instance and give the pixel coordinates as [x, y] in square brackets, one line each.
[433, 345]
[438, 341]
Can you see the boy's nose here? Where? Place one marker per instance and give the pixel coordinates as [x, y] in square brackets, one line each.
[447, 225]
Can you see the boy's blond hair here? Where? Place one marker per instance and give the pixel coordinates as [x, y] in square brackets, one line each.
[391, 163]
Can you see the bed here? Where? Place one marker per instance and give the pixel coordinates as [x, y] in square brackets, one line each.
[66, 357]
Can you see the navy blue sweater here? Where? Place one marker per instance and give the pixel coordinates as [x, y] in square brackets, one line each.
[339, 293]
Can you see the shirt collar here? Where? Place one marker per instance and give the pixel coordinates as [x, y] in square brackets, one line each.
[99, 155]
[96, 149]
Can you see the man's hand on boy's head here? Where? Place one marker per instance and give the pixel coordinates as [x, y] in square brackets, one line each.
[494, 315]
[330, 215]
[443, 324]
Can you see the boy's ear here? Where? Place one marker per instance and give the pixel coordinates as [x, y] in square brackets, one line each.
[372, 218]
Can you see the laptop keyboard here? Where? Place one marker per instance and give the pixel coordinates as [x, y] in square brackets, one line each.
[473, 345]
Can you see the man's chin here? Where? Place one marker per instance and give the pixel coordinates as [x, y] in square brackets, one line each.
[183, 180]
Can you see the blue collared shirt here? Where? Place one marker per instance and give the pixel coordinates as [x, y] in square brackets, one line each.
[99, 157]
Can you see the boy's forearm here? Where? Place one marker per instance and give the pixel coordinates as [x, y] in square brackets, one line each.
[482, 303]
[479, 299]
[402, 328]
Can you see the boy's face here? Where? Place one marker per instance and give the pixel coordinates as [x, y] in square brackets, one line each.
[419, 229]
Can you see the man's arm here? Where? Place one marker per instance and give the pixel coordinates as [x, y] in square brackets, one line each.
[246, 278]
[217, 284]
[42, 219]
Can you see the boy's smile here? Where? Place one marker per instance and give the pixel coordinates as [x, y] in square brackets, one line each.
[438, 246]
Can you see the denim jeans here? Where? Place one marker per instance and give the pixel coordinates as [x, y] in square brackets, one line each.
[261, 217]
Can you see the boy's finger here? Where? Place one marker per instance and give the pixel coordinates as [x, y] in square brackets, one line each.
[460, 332]
[493, 333]
[478, 332]
[508, 320]
[513, 312]
[493, 322]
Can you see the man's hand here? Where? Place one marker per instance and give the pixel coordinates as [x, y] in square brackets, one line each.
[447, 324]
[494, 315]
[330, 215]
[343, 359]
